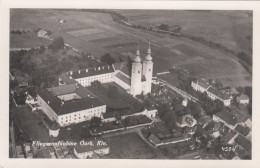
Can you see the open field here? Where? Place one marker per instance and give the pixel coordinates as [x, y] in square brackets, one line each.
[129, 146]
[229, 28]
[98, 34]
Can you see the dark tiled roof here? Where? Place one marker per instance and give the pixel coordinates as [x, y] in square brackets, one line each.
[69, 106]
[244, 143]
[203, 83]
[218, 93]
[225, 139]
[91, 145]
[204, 120]
[227, 117]
[54, 126]
[66, 79]
[123, 78]
[242, 97]
[242, 130]
[124, 67]
[92, 72]
[62, 90]
[154, 139]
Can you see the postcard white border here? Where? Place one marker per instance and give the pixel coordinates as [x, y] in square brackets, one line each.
[5, 162]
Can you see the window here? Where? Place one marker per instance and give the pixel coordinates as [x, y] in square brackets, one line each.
[138, 72]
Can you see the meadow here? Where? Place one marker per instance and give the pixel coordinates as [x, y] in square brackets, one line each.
[98, 34]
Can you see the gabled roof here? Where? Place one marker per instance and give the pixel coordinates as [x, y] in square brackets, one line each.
[154, 139]
[242, 97]
[203, 83]
[227, 117]
[226, 138]
[124, 67]
[244, 143]
[91, 72]
[62, 90]
[217, 93]
[123, 78]
[242, 130]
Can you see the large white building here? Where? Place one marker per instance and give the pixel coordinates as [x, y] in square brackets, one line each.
[135, 77]
[70, 104]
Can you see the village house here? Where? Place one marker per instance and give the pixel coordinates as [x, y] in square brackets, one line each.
[42, 33]
[243, 99]
[227, 118]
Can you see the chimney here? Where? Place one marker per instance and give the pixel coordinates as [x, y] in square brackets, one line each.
[103, 67]
[86, 70]
[95, 69]
[70, 77]
[48, 102]
[71, 72]
[99, 68]
[108, 67]
[79, 71]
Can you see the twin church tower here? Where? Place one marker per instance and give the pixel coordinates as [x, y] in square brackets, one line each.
[142, 73]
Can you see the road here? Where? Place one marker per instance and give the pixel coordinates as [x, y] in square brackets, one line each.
[179, 91]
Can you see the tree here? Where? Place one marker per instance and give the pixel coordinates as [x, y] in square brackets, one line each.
[41, 50]
[57, 44]
[164, 27]
[107, 59]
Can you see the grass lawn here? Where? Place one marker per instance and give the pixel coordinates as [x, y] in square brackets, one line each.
[129, 146]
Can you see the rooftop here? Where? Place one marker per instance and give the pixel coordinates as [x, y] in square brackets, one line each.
[124, 67]
[218, 93]
[91, 72]
[227, 117]
[244, 143]
[242, 97]
[87, 101]
[203, 83]
[242, 130]
[123, 78]
[226, 138]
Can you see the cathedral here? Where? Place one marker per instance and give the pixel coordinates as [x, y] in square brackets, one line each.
[136, 78]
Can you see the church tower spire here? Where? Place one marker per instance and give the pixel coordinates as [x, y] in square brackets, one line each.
[148, 70]
[137, 58]
[148, 56]
[136, 75]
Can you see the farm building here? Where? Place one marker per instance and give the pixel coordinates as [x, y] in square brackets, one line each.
[42, 33]
[227, 118]
[243, 99]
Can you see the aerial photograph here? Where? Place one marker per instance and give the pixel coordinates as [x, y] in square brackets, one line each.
[130, 84]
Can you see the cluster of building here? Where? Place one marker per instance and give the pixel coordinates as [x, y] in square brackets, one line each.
[213, 93]
[202, 86]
